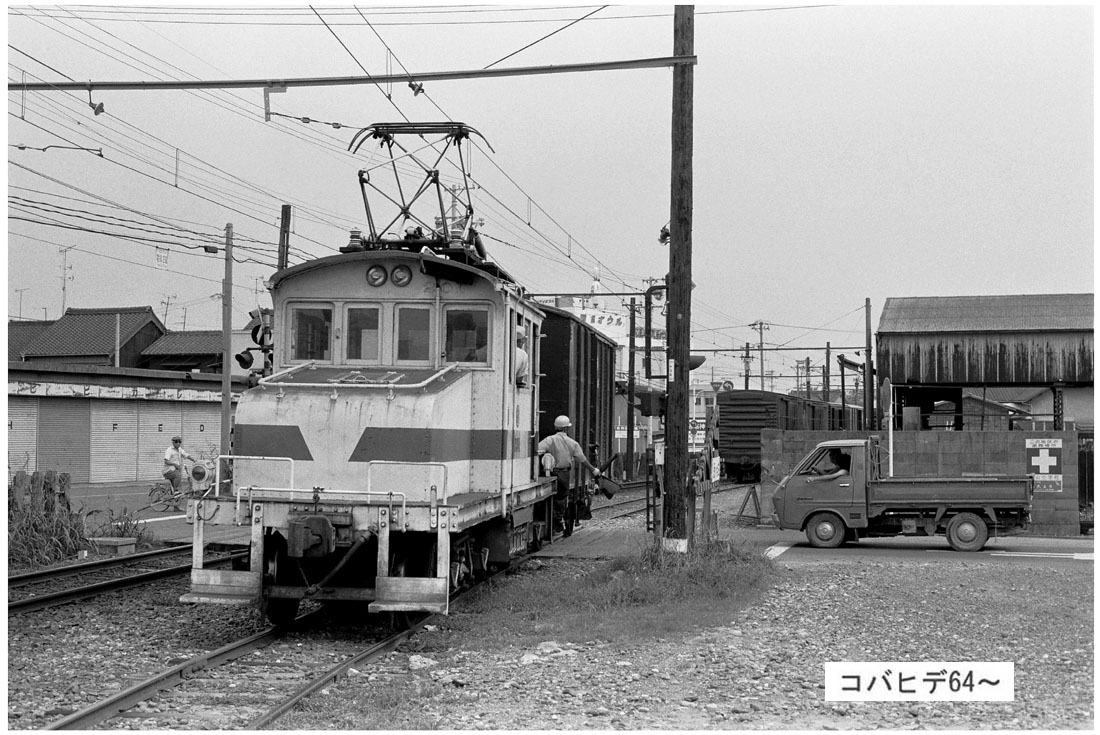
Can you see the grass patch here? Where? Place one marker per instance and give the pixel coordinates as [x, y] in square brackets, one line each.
[37, 537]
[653, 594]
[123, 525]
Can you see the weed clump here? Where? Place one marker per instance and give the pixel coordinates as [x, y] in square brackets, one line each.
[654, 593]
[122, 525]
[37, 537]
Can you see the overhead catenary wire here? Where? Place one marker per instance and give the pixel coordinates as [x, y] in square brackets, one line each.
[417, 13]
[608, 272]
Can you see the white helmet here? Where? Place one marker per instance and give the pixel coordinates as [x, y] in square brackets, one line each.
[562, 422]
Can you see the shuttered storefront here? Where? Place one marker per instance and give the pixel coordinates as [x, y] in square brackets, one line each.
[158, 422]
[64, 436]
[22, 434]
[114, 441]
[202, 429]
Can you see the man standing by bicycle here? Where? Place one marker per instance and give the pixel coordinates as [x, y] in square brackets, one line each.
[173, 462]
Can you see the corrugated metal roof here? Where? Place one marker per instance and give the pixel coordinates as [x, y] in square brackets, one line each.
[21, 334]
[1002, 394]
[187, 343]
[90, 331]
[1020, 313]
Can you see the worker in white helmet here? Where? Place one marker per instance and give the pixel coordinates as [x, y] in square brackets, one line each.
[562, 450]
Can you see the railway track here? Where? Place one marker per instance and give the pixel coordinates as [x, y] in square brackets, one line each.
[51, 587]
[250, 683]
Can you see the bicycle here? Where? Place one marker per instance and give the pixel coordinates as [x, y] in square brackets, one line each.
[163, 496]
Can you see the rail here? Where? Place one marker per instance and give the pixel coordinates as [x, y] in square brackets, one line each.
[18, 580]
[53, 599]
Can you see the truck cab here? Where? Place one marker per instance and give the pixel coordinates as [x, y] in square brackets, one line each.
[831, 478]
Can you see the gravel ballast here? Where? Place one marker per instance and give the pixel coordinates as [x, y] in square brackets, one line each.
[765, 670]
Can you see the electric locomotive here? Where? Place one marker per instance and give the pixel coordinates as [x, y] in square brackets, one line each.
[390, 457]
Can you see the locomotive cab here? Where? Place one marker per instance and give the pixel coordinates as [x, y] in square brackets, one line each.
[390, 456]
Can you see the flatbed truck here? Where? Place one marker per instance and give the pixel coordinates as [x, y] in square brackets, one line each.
[836, 507]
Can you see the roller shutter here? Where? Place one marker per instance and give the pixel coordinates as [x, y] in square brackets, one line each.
[114, 441]
[63, 436]
[202, 429]
[22, 434]
[158, 422]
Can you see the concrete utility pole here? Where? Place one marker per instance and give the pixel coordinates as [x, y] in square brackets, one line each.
[760, 326]
[679, 509]
[227, 341]
[869, 381]
[747, 359]
[630, 361]
[65, 277]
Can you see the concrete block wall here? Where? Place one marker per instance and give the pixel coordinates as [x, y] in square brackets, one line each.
[946, 454]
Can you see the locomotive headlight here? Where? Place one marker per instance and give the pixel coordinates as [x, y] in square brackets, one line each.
[376, 275]
[401, 275]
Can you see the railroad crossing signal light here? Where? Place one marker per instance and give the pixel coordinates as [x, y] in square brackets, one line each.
[652, 404]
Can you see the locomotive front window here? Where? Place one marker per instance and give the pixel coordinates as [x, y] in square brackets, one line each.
[467, 337]
[311, 330]
[363, 333]
[413, 333]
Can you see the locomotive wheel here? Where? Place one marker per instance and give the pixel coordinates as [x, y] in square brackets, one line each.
[967, 532]
[281, 611]
[404, 564]
[825, 531]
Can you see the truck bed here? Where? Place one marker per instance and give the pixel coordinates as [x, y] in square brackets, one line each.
[909, 492]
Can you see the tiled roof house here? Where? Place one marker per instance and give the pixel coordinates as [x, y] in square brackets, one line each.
[89, 336]
[20, 334]
[198, 350]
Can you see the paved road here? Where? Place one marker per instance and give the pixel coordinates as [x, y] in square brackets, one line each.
[792, 548]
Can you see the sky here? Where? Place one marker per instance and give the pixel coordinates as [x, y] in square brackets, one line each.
[841, 153]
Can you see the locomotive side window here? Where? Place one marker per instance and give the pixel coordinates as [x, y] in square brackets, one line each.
[413, 333]
[311, 333]
[363, 333]
[467, 335]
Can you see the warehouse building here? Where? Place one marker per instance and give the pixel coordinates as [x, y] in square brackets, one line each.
[88, 394]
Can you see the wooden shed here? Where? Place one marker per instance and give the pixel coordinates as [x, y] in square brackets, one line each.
[1035, 339]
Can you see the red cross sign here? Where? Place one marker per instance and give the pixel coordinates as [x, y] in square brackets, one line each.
[1043, 458]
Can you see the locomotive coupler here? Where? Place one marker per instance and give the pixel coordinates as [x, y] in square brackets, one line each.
[316, 587]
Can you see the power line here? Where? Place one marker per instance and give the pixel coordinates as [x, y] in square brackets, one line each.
[548, 35]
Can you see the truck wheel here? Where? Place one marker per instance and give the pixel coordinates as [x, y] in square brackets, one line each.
[825, 531]
[967, 532]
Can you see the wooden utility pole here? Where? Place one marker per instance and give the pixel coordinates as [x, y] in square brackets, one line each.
[679, 508]
[284, 237]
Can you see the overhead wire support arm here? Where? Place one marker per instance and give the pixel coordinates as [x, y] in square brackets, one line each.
[670, 61]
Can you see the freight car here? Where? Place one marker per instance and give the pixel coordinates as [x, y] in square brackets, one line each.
[391, 457]
[743, 414]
